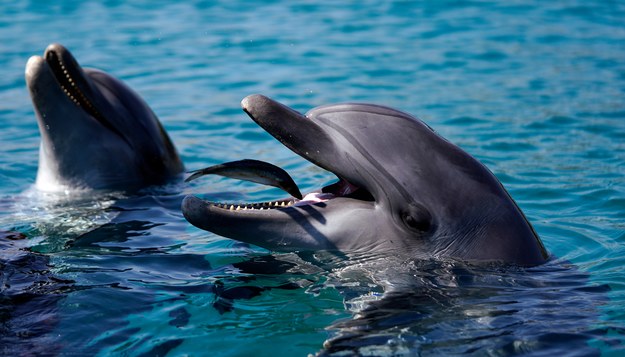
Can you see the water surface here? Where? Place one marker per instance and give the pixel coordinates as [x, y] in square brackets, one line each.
[536, 90]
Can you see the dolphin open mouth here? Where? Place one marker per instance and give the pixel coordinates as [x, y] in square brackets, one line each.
[265, 173]
[68, 74]
[271, 175]
[279, 218]
[342, 188]
[77, 85]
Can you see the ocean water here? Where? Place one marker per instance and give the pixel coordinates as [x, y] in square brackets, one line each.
[534, 89]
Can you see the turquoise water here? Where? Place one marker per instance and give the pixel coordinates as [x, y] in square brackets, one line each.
[536, 90]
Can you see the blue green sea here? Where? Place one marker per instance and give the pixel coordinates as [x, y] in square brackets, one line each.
[533, 89]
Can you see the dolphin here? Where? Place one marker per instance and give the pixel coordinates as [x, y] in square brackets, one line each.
[96, 132]
[402, 190]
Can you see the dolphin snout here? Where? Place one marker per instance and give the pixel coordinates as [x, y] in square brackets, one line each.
[33, 66]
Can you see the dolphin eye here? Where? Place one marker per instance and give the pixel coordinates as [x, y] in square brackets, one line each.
[417, 217]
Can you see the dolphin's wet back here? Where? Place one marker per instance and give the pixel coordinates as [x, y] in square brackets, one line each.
[96, 132]
[402, 189]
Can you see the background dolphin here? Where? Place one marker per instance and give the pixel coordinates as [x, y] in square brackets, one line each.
[96, 132]
[402, 190]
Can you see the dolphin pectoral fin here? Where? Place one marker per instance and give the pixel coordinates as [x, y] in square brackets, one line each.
[253, 171]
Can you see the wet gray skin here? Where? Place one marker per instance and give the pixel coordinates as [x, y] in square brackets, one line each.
[402, 190]
[254, 171]
[96, 132]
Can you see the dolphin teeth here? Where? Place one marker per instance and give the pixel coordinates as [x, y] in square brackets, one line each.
[253, 206]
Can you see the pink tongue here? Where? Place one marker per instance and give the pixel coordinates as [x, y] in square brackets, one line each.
[347, 188]
[314, 197]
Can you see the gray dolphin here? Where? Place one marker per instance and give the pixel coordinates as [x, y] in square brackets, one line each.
[402, 190]
[96, 132]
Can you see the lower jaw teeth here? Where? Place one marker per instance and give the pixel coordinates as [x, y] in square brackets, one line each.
[311, 198]
[254, 206]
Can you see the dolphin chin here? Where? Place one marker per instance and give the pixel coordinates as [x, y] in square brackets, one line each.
[402, 189]
[96, 132]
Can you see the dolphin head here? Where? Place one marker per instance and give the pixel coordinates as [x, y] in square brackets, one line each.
[96, 132]
[402, 189]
